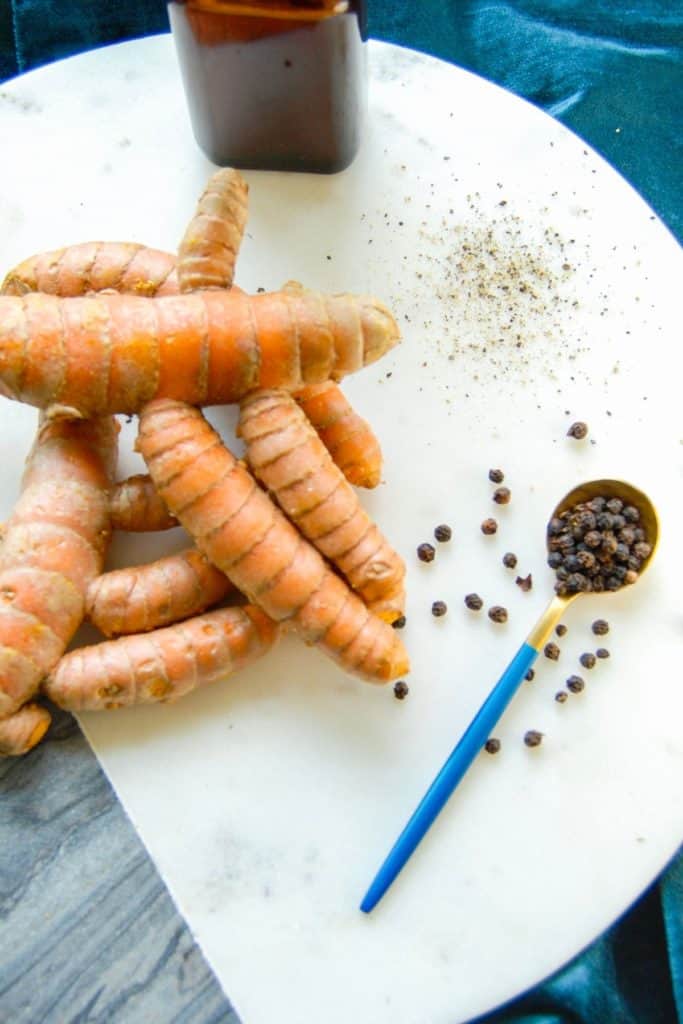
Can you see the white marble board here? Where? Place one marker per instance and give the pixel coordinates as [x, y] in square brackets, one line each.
[268, 802]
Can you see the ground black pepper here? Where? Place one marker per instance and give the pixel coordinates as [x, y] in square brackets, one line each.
[439, 608]
[533, 738]
[443, 533]
[426, 552]
[578, 430]
[492, 746]
[509, 560]
[399, 623]
[489, 527]
[600, 627]
[474, 602]
[587, 660]
[575, 684]
[502, 495]
[496, 476]
[602, 652]
[497, 613]
[551, 651]
[400, 690]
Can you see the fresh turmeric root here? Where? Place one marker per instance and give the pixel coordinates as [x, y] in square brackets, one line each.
[113, 353]
[94, 267]
[145, 597]
[53, 547]
[163, 665]
[23, 730]
[347, 436]
[208, 251]
[236, 525]
[285, 453]
[135, 506]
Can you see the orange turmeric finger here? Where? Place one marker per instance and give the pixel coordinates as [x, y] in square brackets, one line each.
[112, 353]
[208, 251]
[145, 597]
[53, 547]
[135, 506]
[23, 730]
[287, 456]
[163, 665]
[239, 529]
[93, 267]
[347, 436]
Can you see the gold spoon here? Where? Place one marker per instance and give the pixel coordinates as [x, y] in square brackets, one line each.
[479, 729]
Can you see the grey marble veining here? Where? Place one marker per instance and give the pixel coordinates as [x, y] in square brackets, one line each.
[88, 932]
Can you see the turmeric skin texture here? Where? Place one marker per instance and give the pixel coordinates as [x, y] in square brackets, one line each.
[208, 251]
[348, 438]
[53, 546]
[94, 267]
[285, 453]
[23, 730]
[163, 665]
[239, 529]
[159, 593]
[113, 353]
[135, 506]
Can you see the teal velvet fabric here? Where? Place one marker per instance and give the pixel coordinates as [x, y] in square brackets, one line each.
[597, 67]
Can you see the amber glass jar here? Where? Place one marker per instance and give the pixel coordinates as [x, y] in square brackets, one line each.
[274, 86]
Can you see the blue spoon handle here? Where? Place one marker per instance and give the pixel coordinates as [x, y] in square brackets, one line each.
[452, 772]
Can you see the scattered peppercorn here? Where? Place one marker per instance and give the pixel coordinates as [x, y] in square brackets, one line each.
[509, 560]
[600, 627]
[552, 651]
[578, 430]
[399, 623]
[489, 526]
[497, 613]
[474, 602]
[443, 533]
[502, 495]
[587, 660]
[492, 746]
[561, 696]
[524, 583]
[439, 608]
[533, 738]
[602, 652]
[426, 552]
[560, 629]
[530, 674]
[496, 476]
[575, 684]
[400, 690]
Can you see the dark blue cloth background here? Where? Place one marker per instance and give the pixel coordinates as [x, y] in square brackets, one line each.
[597, 67]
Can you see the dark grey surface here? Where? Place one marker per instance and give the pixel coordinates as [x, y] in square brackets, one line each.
[88, 932]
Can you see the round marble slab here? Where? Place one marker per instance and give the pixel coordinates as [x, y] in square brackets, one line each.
[533, 287]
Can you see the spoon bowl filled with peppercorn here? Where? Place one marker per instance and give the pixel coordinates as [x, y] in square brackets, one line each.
[600, 538]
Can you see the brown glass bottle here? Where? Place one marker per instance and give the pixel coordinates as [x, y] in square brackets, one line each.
[273, 86]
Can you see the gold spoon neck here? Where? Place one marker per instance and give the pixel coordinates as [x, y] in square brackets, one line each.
[549, 618]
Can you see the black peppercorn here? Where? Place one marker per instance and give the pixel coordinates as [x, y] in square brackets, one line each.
[575, 684]
[560, 629]
[497, 613]
[443, 533]
[555, 559]
[587, 659]
[551, 651]
[524, 583]
[509, 560]
[489, 527]
[630, 513]
[426, 553]
[502, 495]
[400, 690]
[600, 627]
[533, 738]
[474, 602]
[439, 608]
[492, 746]
[642, 550]
[530, 674]
[399, 623]
[602, 652]
[561, 696]
[615, 505]
[578, 430]
[496, 476]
